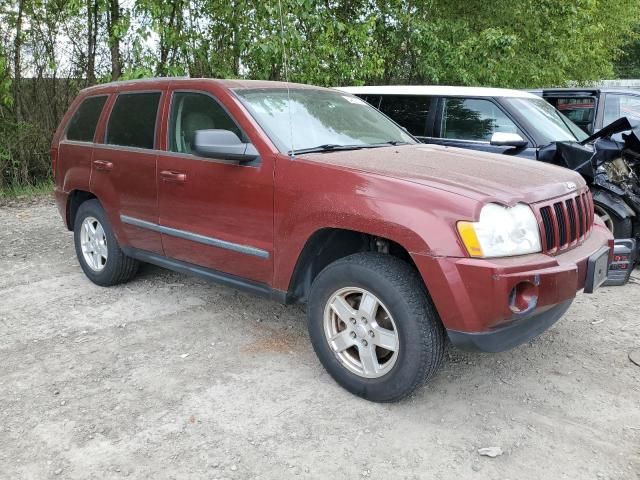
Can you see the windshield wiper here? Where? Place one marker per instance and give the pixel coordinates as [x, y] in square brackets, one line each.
[331, 147]
[327, 147]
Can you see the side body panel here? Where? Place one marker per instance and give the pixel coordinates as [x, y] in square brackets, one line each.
[125, 180]
[74, 165]
[72, 169]
[219, 214]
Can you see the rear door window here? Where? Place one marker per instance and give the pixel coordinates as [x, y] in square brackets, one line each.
[132, 122]
[580, 110]
[620, 105]
[473, 119]
[409, 111]
[82, 126]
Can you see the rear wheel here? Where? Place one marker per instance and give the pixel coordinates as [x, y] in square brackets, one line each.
[97, 249]
[374, 327]
[620, 227]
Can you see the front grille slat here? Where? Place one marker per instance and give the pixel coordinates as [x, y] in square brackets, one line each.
[566, 222]
[549, 235]
[562, 228]
[572, 220]
[580, 217]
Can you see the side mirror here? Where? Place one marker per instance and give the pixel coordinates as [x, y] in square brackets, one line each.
[223, 145]
[505, 139]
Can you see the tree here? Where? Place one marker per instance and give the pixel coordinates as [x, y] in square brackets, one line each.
[93, 12]
[17, 63]
[628, 64]
[51, 48]
[523, 44]
[114, 32]
[6, 100]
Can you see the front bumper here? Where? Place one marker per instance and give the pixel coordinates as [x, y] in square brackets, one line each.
[513, 333]
[496, 304]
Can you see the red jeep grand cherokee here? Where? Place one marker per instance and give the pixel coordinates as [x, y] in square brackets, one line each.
[306, 194]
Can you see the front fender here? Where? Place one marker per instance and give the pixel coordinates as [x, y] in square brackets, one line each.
[311, 196]
[612, 202]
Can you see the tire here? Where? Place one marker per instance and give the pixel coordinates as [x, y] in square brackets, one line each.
[404, 309]
[620, 227]
[103, 261]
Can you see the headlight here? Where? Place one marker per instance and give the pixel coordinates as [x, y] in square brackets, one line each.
[501, 232]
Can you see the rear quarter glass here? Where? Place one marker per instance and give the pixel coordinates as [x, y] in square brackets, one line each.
[82, 126]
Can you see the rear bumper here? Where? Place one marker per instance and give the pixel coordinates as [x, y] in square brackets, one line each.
[496, 304]
[61, 202]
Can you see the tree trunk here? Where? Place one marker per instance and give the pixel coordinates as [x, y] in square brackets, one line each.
[20, 163]
[17, 63]
[92, 36]
[165, 46]
[114, 39]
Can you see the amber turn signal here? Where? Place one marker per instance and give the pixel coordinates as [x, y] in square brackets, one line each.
[470, 239]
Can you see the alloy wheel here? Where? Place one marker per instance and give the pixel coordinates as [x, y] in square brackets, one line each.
[93, 242]
[361, 332]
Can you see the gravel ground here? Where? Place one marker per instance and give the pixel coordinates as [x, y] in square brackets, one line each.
[171, 377]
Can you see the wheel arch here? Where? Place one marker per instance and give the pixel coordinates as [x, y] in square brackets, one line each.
[327, 245]
[74, 200]
[613, 203]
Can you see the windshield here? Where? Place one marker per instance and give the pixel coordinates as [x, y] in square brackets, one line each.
[303, 119]
[548, 124]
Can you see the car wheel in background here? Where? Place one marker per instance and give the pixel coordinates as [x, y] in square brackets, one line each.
[620, 227]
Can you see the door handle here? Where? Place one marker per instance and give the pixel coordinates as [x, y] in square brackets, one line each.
[102, 165]
[169, 176]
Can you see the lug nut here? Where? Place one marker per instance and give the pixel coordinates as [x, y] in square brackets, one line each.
[353, 334]
[364, 320]
[371, 333]
[364, 343]
[353, 320]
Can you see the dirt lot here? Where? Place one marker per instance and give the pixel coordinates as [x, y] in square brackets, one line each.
[170, 377]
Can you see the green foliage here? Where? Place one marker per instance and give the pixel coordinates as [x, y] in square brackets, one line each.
[518, 44]
[27, 190]
[16, 167]
[628, 64]
[6, 100]
[506, 43]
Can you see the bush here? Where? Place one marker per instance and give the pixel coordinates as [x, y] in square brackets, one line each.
[24, 153]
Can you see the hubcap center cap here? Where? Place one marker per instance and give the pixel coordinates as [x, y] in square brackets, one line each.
[360, 330]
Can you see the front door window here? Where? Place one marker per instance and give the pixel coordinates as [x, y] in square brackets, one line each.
[192, 111]
[473, 119]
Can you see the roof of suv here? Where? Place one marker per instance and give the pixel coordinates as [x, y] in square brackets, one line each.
[442, 90]
[227, 83]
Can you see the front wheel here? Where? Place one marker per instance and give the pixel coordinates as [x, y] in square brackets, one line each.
[374, 327]
[620, 227]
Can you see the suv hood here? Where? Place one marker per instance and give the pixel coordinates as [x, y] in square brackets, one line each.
[473, 174]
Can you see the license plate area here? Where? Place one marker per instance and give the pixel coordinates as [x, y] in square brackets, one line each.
[597, 270]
